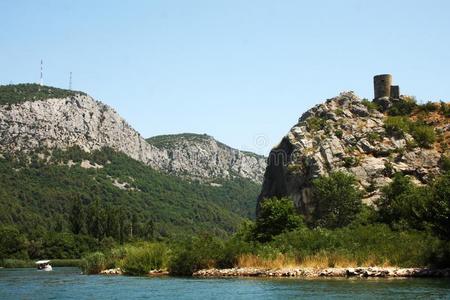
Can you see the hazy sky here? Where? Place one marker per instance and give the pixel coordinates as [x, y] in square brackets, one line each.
[242, 71]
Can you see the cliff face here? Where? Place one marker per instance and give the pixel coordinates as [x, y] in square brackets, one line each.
[201, 156]
[344, 135]
[79, 120]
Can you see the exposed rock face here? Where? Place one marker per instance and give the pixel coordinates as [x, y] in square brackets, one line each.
[205, 157]
[344, 135]
[81, 121]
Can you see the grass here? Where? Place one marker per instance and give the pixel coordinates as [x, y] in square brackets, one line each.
[319, 260]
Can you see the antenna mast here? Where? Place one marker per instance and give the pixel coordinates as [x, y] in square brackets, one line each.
[42, 77]
[70, 81]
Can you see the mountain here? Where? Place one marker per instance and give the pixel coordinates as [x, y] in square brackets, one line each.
[201, 156]
[61, 148]
[33, 117]
[363, 138]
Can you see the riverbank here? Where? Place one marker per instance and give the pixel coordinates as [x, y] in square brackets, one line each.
[380, 272]
[20, 263]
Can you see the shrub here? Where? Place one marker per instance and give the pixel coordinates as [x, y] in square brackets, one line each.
[428, 107]
[397, 125]
[276, 216]
[403, 107]
[440, 207]
[338, 133]
[369, 104]
[195, 253]
[94, 263]
[142, 259]
[445, 109]
[424, 135]
[315, 123]
[337, 200]
[403, 205]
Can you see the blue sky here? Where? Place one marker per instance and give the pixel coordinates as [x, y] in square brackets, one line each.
[242, 71]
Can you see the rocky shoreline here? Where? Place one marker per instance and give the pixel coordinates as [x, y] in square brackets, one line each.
[369, 272]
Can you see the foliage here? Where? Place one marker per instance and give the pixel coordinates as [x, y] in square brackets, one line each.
[315, 123]
[404, 205]
[18, 93]
[423, 134]
[339, 133]
[94, 263]
[403, 107]
[370, 104]
[337, 200]
[428, 107]
[440, 207]
[12, 243]
[397, 125]
[445, 109]
[139, 260]
[276, 216]
[52, 197]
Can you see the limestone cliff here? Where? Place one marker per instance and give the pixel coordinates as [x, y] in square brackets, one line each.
[344, 134]
[79, 120]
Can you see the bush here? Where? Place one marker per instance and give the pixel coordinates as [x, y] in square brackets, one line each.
[194, 254]
[337, 200]
[403, 107]
[12, 243]
[428, 107]
[142, 259]
[424, 135]
[276, 216]
[94, 263]
[440, 207]
[403, 205]
[445, 109]
[370, 105]
[396, 126]
[316, 123]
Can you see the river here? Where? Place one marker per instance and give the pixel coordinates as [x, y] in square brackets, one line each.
[68, 283]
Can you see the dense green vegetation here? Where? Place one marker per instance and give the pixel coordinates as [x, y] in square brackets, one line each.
[410, 229]
[422, 133]
[18, 93]
[169, 140]
[48, 209]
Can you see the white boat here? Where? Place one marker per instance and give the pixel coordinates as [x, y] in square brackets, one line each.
[44, 265]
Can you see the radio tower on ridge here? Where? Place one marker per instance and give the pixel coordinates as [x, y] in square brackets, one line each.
[41, 82]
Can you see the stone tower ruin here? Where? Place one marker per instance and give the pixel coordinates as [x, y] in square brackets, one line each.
[383, 87]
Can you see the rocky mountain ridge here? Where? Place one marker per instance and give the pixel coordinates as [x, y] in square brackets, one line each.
[350, 135]
[79, 120]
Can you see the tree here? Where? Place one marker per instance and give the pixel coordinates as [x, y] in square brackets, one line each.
[337, 200]
[12, 243]
[77, 217]
[276, 216]
[440, 207]
[404, 205]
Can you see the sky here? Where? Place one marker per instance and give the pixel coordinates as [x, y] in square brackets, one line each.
[242, 71]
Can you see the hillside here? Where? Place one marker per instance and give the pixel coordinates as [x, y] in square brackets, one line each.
[38, 192]
[201, 156]
[361, 138]
[71, 166]
[54, 118]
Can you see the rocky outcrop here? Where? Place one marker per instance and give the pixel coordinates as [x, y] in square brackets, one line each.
[342, 134]
[81, 121]
[365, 272]
[204, 157]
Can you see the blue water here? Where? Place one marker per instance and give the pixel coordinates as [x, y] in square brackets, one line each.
[67, 283]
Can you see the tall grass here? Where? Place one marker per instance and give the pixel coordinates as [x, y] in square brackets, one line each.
[142, 259]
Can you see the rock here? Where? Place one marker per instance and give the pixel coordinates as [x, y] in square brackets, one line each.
[91, 125]
[353, 140]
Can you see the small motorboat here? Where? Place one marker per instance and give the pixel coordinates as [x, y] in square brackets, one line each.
[44, 265]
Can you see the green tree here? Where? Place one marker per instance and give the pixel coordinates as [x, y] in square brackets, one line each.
[337, 200]
[440, 206]
[277, 215]
[12, 243]
[404, 205]
[77, 217]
